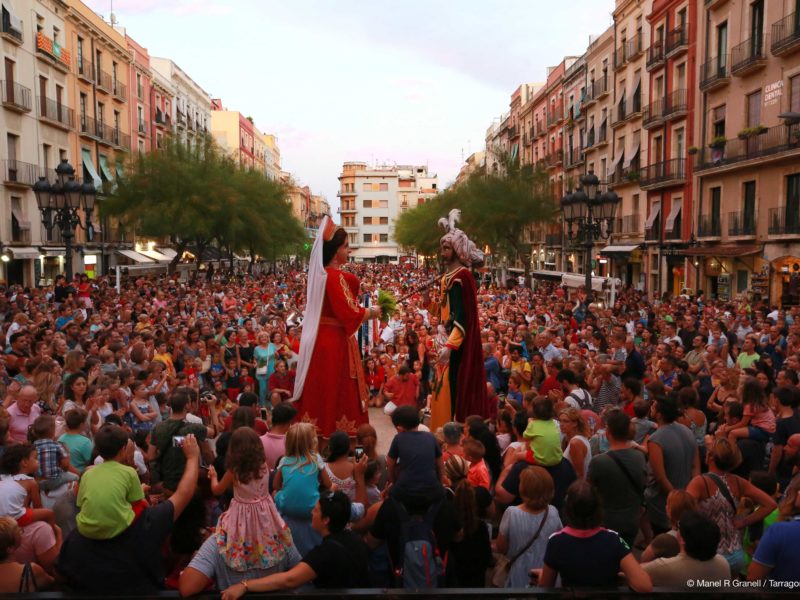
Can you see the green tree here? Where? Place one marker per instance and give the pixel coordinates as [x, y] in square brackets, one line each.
[496, 209]
[198, 195]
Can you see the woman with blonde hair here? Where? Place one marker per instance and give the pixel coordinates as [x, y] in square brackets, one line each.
[73, 363]
[298, 478]
[525, 529]
[727, 390]
[47, 381]
[17, 577]
[577, 449]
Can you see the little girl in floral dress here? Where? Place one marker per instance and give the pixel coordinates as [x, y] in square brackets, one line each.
[251, 534]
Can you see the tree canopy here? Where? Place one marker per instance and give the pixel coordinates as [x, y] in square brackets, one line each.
[496, 209]
[198, 195]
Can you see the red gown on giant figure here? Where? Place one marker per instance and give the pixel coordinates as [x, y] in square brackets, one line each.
[335, 393]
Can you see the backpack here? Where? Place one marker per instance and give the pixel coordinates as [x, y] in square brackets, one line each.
[584, 400]
[421, 566]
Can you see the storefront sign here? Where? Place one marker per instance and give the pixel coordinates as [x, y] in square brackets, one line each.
[773, 93]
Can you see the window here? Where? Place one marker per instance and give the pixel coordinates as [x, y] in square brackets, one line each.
[141, 146]
[79, 54]
[384, 220]
[793, 204]
[680, 76]
[367, 187]
[749, 209]
[384, 187]
[367, 220]
[139, 87]
[405, 183]
[718, 120]
[756, 26]
[794, 93]
[679, 143]
[367, 203]
[83, 111]
[384, 237]
[46, 149]
[116, 121]
[716, 201]
[367, 238]
[722, 46]
[99, 115]
[140, 114]
[754, 109]
[382, 203]
[114, 76]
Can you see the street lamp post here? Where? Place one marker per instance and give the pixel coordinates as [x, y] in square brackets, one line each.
[589, 217]
[60, 204]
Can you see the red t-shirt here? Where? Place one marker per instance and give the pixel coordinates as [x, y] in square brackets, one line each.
[404, 392]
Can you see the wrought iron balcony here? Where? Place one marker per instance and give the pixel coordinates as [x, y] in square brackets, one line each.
[19, 173]
[714, 74]
[10, 32]
[775, 140]
[784, 220]
[677, 41]
[55, 113]
[655, 55]
[748, 56]
[85, 70]
[708, 226]
[15, 96]
[786, 35]
[627, 51]
[120, 90]
[596, 90]
[663, 174]
[553, 240]
[741, 223]
[653, 114]
[104, 81]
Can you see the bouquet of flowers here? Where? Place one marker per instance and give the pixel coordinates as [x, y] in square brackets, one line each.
[388, 304]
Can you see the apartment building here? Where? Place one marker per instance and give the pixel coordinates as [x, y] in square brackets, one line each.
[272, 160]
[162, 98]
[190, 108]
[747, 159]
[497, 143]
[475, 162]
[38, 127]
[140, 84]
[372, 198]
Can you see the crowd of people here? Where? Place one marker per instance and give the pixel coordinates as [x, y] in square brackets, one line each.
[149, 439]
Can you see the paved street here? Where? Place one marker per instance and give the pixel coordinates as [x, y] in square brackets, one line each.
[383, 425]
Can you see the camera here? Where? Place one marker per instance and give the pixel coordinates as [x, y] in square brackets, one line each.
[263, 414]
[177, 440]
[358, 453]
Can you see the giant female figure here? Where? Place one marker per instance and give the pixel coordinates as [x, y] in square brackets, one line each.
[330, 387]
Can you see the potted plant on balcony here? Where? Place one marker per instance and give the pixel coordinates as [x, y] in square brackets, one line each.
[632, 175]
[749, 132]
[718, 143]
[692, 150]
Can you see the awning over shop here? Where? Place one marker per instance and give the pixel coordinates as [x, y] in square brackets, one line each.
[653, 215]
[155, 255]
[576, 280]
[722, 251]
[135, 256]
[547, 275]
[619, 249]
[669, 224]
[168, 252]
[88, 169]
[24, 252]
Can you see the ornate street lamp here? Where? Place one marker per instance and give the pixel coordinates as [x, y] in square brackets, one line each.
[60, 205]
[589, 217]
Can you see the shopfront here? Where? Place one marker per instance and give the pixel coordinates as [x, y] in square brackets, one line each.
[625, 264]
[731, 271]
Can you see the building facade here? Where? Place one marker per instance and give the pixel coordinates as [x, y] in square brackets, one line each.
[747, 159]
[371, 200]
[190, 108]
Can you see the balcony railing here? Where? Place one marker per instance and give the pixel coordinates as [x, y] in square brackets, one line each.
[16, 172]
[104, 81]
[713, 74]
[741, 223]
[574, 157]
[590, 137]
[652, 234]
[513, 131]
[120, 90]
[554, 159]
[677, 40]
[664, 173]
[15, 96]
[596, 90]
[56, 113]
[555, 114]
[653, 113]
[628, 224]
[142, 128]
[10, 31]
[628, 108]
[628, 51]
[623, 175]
[748, 56]
[780, 138]
[180, 118]
[85, 70]
[676, 104]
[602, 133]
[655, 55]
[553, 240]
[708, 226]
[784, 220]
[786, 34]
